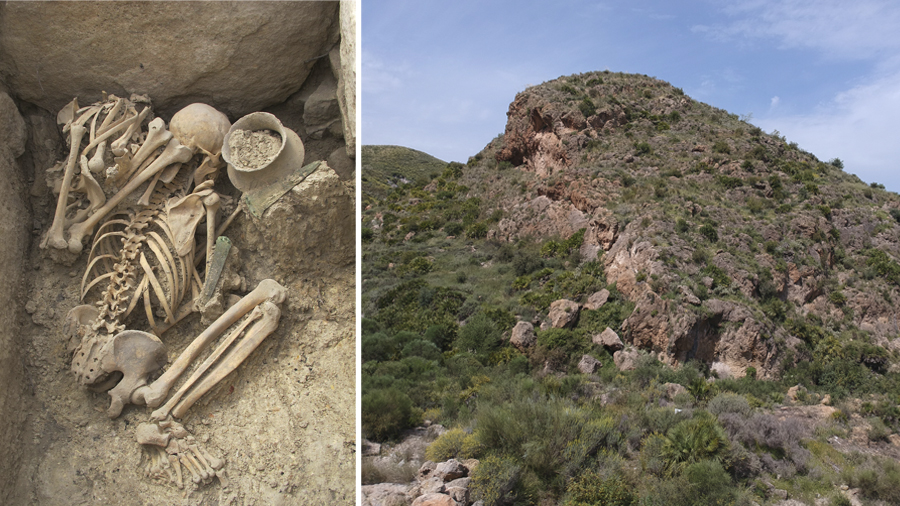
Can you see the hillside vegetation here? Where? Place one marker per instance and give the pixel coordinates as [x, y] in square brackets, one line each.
[385, 168]
[734, 266]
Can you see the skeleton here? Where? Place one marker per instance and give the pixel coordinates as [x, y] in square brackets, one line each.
[146, 252]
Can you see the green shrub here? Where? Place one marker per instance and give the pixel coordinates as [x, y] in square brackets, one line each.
[422, 348]
[453, 228]
[711, 483]
[440, 335]
[477, 230]
[494, 479]
[729, 182]
[526, 263]
[681, 226]
[385, 413]
[719, 277]
[837, 298]
[721, 147]
[709, 232]
[592, 488]
[642, 148]
[587, 107]
[727, 402]
[479, 335]
[878, 431]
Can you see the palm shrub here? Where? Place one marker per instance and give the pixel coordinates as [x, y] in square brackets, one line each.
[692, 441]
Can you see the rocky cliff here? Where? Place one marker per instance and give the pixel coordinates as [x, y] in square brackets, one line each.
[678, 198]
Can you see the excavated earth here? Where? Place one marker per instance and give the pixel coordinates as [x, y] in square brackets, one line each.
[284, 421]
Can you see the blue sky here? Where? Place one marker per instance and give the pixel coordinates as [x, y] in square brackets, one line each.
[438, 76]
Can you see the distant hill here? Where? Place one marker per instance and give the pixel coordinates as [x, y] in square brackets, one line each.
[629, 286]
[387, 167]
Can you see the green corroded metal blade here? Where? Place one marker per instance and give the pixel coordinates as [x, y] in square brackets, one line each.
[259, 199]
[214, 272]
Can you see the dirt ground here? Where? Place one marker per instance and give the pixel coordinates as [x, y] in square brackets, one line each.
[284, 421]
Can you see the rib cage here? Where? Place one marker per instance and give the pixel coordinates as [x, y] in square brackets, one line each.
[132, 258]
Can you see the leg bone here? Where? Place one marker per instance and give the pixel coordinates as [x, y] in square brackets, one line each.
[255, 336]
[154, 394]
[164, 411]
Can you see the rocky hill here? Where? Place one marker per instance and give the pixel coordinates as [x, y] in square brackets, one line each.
[616, 212]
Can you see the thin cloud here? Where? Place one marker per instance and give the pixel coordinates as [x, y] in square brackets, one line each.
[859, 30]
[852, 127]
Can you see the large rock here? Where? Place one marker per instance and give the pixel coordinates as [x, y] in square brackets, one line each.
[385, 494]
[597, 299]
[522, 335]
[434, 500]
[609, 340]
[316, 246]
[563, 313]
[243, 56]
[627, 359]
[15, 223]
[589, 364]
[450, 470]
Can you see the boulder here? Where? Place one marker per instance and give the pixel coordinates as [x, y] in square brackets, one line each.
[434, 500]
[459, 482]
[459, 494]
[597, 299]
[385, 494]
[426, 470]
[522, 335]
[254, 54]
[589, 364]
[609, 340]
[626, 360]
[293, 240]
[563, 313]
[450, 470]
[321, 112]
[432, 485]
[470, 464]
